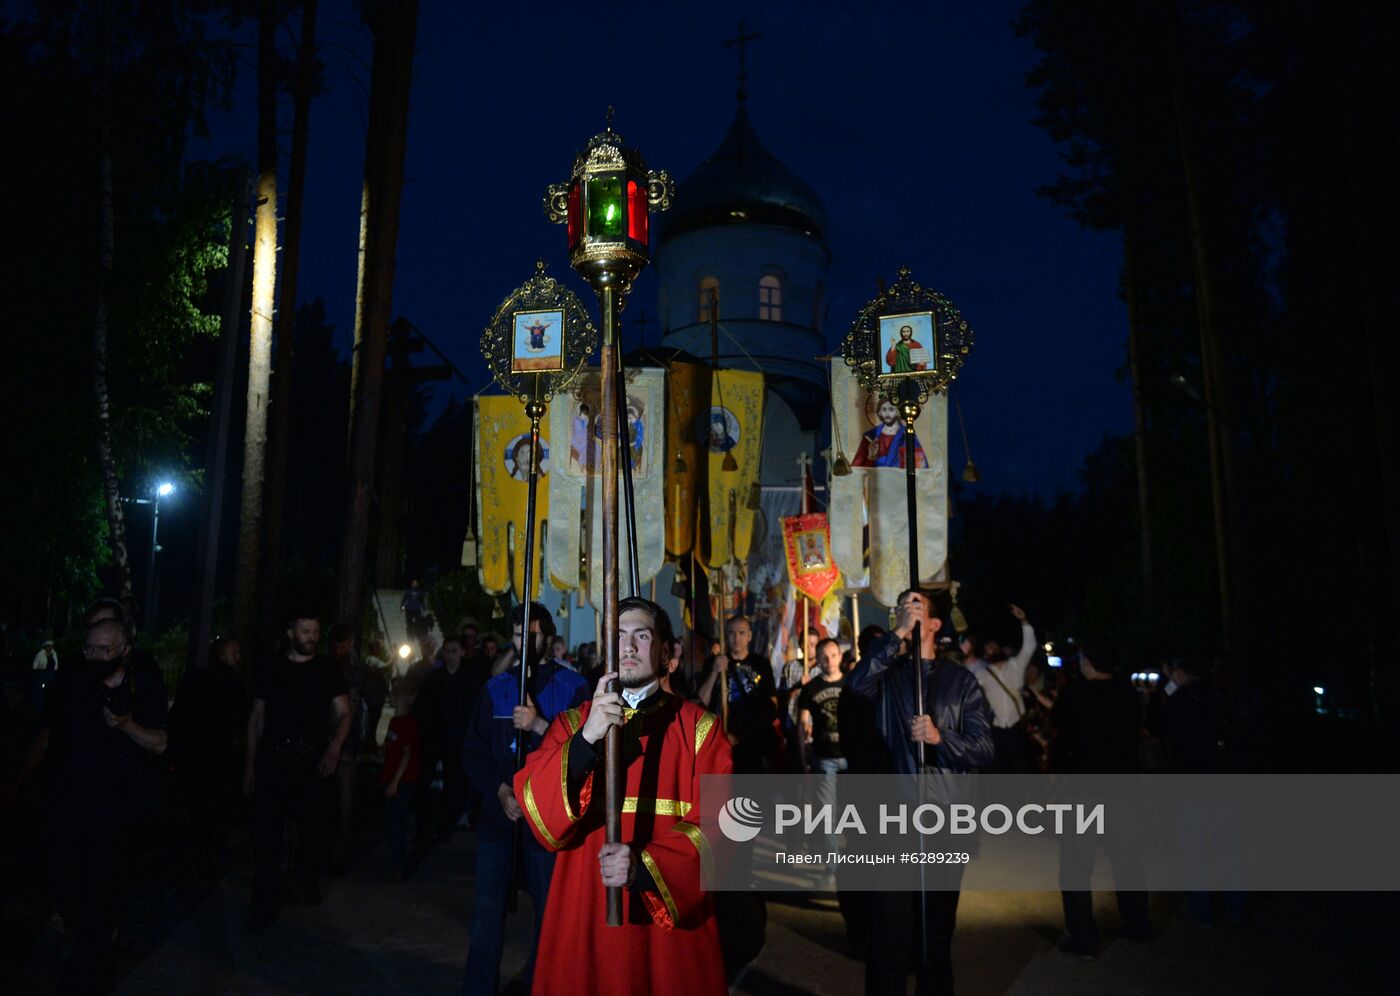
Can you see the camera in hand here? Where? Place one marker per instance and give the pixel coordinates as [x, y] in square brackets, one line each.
[119, 701]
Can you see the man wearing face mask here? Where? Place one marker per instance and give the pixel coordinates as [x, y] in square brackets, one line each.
[105, 728]
[488, 755]
[669, 941]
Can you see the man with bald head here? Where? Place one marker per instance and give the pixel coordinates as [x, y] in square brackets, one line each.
[753, 699]
[104, 730]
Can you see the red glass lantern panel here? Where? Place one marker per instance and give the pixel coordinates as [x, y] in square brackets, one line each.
[575, 217]
[636, 212]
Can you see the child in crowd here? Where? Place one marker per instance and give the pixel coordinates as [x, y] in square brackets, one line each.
[402, 753]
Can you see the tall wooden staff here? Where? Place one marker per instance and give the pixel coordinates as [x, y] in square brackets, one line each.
[605, 205]
[903, 345]
[729, 464]
[538, 340]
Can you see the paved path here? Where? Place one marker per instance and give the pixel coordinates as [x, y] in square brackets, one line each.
[374, 936]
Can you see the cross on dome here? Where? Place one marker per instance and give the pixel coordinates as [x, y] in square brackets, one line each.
[742, 39]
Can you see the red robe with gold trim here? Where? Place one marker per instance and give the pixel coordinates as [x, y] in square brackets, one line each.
[669, 941]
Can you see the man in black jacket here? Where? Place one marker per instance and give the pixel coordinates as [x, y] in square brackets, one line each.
[955, 729]
[1099, 721]
[488, 758]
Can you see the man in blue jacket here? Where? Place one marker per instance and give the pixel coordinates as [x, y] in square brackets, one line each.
[955, 728]
[488, 756]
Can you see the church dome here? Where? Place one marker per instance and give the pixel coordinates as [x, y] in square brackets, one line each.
[743, 183]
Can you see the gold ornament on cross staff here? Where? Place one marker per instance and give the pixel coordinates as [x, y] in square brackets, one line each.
[907, 337]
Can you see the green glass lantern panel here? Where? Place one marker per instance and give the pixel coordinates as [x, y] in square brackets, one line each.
[605, 206]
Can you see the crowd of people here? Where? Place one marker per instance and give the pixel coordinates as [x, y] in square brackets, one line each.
[283, 747]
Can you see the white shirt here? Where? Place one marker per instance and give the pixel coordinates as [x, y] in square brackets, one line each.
[1007, 709]
[634, 696]
[41, 660]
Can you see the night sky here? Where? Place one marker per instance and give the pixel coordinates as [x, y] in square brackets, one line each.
[912, 124]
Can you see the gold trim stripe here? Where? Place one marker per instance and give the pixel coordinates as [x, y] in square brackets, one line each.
[534, 814]
[572, 717]
[697, 837]
[702, 729]
[564, 779]
[661, 807]
[661, 888]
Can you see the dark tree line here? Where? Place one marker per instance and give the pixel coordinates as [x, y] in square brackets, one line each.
[113, 238]
[1238, 151]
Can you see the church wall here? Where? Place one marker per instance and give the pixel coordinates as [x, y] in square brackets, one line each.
[739, 256]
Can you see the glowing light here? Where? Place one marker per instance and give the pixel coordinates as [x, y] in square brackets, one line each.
[165, 489]
[1317, 690]
[405, 650]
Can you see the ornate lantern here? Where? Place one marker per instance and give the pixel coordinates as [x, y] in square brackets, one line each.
[605, 205]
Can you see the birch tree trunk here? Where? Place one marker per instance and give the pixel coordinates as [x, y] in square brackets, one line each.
[395, 24]
[106, 457]
[274, 501]
[260, 331]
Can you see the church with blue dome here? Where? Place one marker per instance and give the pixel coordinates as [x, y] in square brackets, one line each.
[748, 232]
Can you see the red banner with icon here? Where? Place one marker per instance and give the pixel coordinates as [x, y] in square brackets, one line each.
[807, 540]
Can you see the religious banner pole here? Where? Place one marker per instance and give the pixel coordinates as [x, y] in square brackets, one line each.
[802, 461]
[612, 742]
[905, 344]
[723, 649]
[605, 206]
[537, 341]
[624, 447]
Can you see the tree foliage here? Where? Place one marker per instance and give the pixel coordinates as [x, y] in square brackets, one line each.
[171, 236]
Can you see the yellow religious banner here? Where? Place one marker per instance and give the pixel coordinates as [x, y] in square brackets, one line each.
[732, 433]
[688, 391]
[502, 470]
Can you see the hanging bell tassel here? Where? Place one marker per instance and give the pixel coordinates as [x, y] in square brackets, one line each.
[730, 464]
[842, 466]
[969, 474]
[469, 550]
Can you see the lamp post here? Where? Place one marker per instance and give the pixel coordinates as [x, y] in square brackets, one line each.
[162, 490]
[605, 207]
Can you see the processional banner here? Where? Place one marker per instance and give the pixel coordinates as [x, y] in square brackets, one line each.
[811, 568]
[732, 427]
[869, 432]
[576, 492]
[502, 452]
[688, 396]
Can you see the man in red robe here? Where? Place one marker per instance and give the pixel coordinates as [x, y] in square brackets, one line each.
[669, 941]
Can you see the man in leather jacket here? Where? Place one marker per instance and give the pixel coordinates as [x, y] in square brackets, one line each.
[955, 729]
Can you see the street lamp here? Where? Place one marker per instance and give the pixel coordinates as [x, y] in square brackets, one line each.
[162, 490]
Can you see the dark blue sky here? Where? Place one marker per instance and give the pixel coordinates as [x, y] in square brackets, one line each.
[911, 121]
